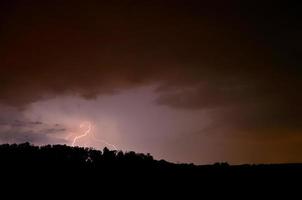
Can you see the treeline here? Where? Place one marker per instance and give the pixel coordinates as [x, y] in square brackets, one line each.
[63, 155]
[63, 159]
[61, 168]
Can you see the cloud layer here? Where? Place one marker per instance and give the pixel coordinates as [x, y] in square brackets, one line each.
[239, 61]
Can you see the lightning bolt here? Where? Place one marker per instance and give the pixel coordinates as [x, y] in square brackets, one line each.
[84, 134]
[87, 133]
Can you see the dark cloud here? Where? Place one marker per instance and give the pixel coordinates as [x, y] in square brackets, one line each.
[18, 136]
[15, 128]
[53, 130]
[244, 107]
[240, 59]
[19, 123]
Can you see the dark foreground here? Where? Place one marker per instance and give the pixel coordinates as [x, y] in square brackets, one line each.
[88, 168]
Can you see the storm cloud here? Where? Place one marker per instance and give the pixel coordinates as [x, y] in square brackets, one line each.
[28, 131]
[240, 62]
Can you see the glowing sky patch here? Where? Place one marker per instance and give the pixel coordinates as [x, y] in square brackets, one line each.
[184, 80]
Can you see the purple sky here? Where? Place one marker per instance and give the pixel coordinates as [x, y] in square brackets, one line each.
[184, 80]
[132, 120]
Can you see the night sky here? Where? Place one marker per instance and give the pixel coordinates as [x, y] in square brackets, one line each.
[187, 81]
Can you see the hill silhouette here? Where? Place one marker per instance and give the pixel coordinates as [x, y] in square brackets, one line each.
[71, 164]
[60, 156]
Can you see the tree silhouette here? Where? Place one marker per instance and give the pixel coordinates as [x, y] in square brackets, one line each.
[88, 162]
